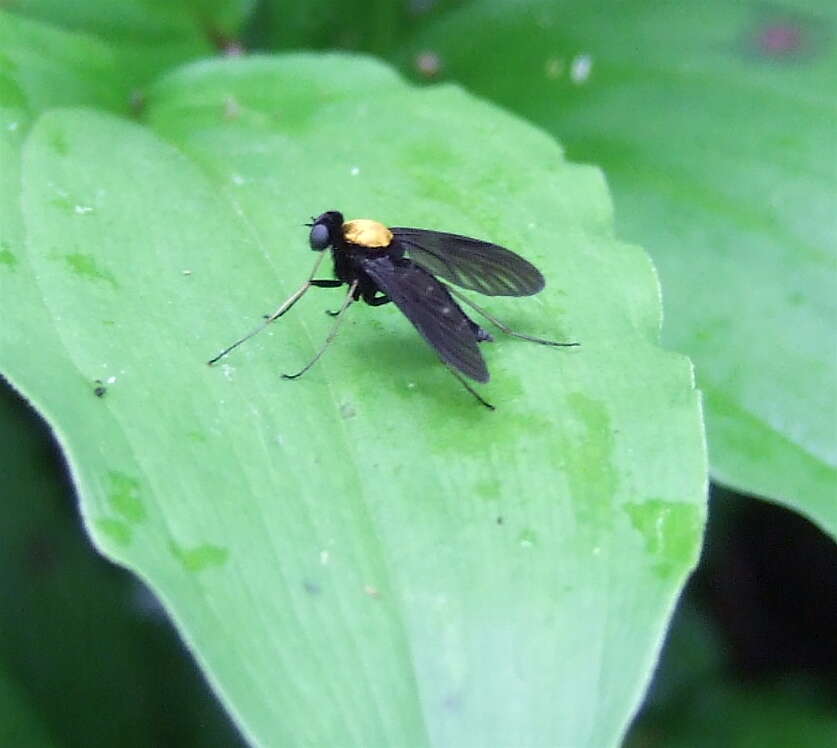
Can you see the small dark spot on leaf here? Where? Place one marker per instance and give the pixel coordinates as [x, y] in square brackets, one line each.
[58, 142]
[7, 257]
[199, 557]
[312, 588]
[670, 530]
[118, 531]
[99, 390]
[85, 266]
[62, 201]
[796, 298]
[124, 496]
[452, 702]
[499, 520]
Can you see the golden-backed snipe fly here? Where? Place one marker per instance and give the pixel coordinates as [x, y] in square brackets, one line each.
[401, 265]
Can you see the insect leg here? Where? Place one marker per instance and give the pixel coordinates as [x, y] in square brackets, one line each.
[332, 334]
[331, 313]
[378, 300]
[286, 305]
[468, 387]
[370, 299]
[328, 284]
[373, 295]
[505, 328]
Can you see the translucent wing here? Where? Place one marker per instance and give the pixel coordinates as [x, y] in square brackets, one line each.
[432, 310]
[471, 263]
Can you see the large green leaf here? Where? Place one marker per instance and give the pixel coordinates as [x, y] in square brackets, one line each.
[715, 124]
[366, 556]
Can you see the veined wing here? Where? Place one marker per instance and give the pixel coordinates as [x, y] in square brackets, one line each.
[432, 310]
[471, 263]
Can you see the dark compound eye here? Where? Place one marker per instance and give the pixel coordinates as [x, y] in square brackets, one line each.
[319, 237]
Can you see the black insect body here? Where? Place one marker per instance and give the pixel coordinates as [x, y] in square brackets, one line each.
[400, 265]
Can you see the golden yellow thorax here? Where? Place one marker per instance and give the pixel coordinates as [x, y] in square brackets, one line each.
[366, 233]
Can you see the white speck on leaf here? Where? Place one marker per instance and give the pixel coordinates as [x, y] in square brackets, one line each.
[355, 171]
[83, 209]
[232, 109]
[580, 68]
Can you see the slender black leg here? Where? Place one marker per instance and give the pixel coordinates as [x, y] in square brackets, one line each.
[332, 334]
[468, 387]
[505, 328]
[371, 299]
[328, 284]
[378, 300]
[284, 307]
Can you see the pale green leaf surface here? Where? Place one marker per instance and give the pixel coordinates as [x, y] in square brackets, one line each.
[365, 556]
[714, 122]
